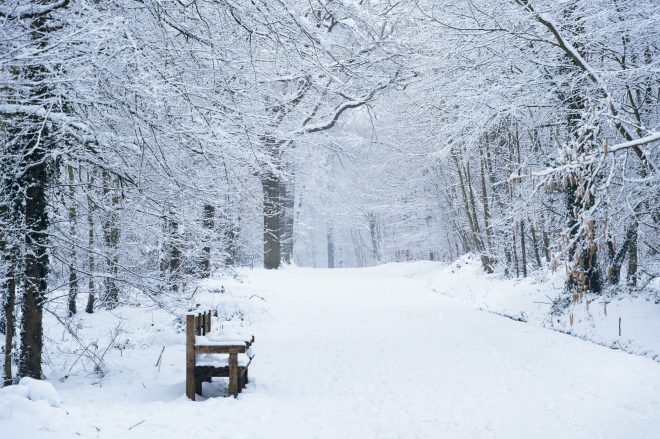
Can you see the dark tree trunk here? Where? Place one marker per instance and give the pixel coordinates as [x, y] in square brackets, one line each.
[617, 257]
[73, 290]
[515, 253]
[174, 256]
[288, 205]
[73, 269]
[546, 241]
[209, 224]
[90, 244]
[111, 235]
[523, 249]
[484, 200]
[272, 214]
[535, 245]
[170, 262]
[632, 259]
[35, 180]
[8, 304]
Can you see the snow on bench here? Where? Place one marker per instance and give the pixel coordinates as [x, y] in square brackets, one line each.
[215, 355]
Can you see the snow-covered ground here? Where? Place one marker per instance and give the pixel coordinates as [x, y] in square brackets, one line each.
[348, 353]
[626, 321]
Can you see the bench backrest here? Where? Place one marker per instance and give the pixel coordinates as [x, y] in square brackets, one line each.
[197, 324]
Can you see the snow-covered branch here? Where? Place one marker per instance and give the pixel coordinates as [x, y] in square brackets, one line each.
[655, 137]
[32, 10]
[339, 110]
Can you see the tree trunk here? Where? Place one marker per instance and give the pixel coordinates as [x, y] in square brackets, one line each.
[111, 235]
[272, 229]
[35, 180]
[546, 241]
[535, 245]
[288, 205]
[231, 245]
[8, 304]
[73, 269]
[470, 211]
[375, 236]
[632, 258]
[170, 260]
[515, 253]
[523, 249]
[484, 200]
[90, 244]
[174, 267]
[209, 224]
[331, 246]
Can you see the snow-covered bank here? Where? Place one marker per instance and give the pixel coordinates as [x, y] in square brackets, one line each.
[598, 319]
[351, 353]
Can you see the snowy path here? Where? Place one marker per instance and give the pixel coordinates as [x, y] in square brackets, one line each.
[372, 353]
[378, 356]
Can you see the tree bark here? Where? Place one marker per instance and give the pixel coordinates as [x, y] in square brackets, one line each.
[546, 241]
[288, 205]
[73, 269]
[175, 262]
[8, 306]
[170, 259]
[111, 236]
[272, 228]
[523, 248]
[209, 224]
[91, 296]
[35, 180]
[484, 200]
[632, 258]
[535, 245]
[515, 253]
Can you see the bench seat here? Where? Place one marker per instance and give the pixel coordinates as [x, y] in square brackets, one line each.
[220, 360]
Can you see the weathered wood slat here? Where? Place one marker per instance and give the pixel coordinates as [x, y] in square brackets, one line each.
[220, 349]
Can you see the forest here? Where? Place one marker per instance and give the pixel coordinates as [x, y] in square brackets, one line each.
[151, 148]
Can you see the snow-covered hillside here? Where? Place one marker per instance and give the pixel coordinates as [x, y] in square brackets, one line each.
[352, 353]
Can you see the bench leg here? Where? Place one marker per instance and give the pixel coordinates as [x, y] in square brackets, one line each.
[190, 357]
[198, 386]
[190, 379]
[233, 375]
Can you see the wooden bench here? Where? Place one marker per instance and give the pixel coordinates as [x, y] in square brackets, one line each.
[198, 326]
